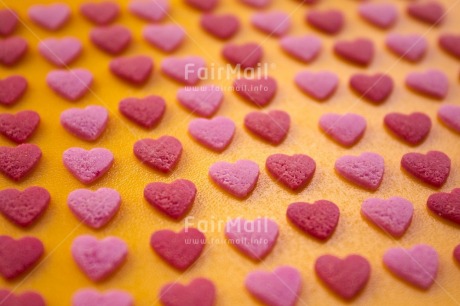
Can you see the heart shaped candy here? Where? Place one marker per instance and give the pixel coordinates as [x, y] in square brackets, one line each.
[409, 47]
[319, 85]
[111, 39]
[432, 83]
[202, 100]
[150, 10]
[432, 168]
[238, 179]
[12, 89]
[293, 171]
[346, 129]
[259, 91]
[167, 37]
[185, 70]
[274, 23]
[88, 123]
[374, 88]
[60, 52]
[19, 127]
[28, 298]
[50, 17]
[412, 128]
[365, 170]
[359, 51]
[87, 166]
[245, 56]
[215, 134]
[161, 154]
[446, 205]
[382, 15]
[8, 21]
[100, 13]
[91, 297]
[200, 292]
[272, 126]
[429, 12]
[329, 21]
[72, 84]
[18, 256]
[450, 115]
[451, 44]
[304, 48]
[223, 26]
[146, 112]
[17, 162]
[12, 50]
[133, 69]
[203, 5]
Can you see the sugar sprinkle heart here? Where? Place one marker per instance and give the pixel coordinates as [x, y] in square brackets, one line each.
[199, 292]
[150, 10]
[203, 100]
[161, 154]
[254, 239]
[12, 50]
[431, 83]
[112, 39]
[432, 168]
[60, 52]
[318, 219]
[27, 298]
[239, 179]
[365, 170]
[246, 55]
[271, 127]
[258, 4]
[382, 15]
[51, 17]
[410, 47]
[70, 84]
[359, 51]
[457, 253]
[215, 134]
[277, 288]
[94, 208]
[174, 199]
[167, 38]
[99, 259]
[12, 89]
[375, 88]
[412, 128]
[417, 266]
[146, 112]
[346, 129]
[180, 250]
[346, 277]
[258, 91]
[430, 12]
[304, 48]
[91, 297]
[328, 21]
[318, 85]
[19, 127]
[294, 172]
[18, 256]
[222, 26]
[132, 69]
[393, 215]
[101, 13]
[450, 115]
[451, 44]
[87, 124]
[185, 70]
[8, 21]
[275, 23]
[203, 5]
[446, 205]
[87, 166]
[23, 208]
[18, 162]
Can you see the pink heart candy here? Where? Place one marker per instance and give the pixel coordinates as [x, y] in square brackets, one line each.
[451, 44]
[346, 129]
[111, 39]
[203, 5]
[133, 69]
[17, 162]
[255, 238]
[365, 170]
[292, 171]
[147, 111]
[88, 123]
[382, 15]
[19, 127]
[185, 70]
[375, 88]
[50, 17]
[202, 101]
[215, 134]
[359, 51]
[223, 26]
[99, 259]
[258, 91]
[8, 21]
[161, 154]
[329, 21]
[87, 166]
[238, 179]
[450, 115]
[409, 47]
[304, 48]
[70, 84]
[200, 292]
[418, 265]
[257, 3]
[12, 89]
[319, 85]
[12, 50]
[271, 127]
[431, 83]
[273, 23]
[430, 12]
[150, 10]
[280, 287]
[393, 216]
[60, 52]
[95, 209]
[18, 256]
[100, 13]
[28, 298]
[91, 297]
[245, 56]
[167, 37]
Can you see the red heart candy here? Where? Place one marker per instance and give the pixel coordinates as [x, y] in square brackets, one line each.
[200, 292]
[318, 219]
[292, 171]
[221, 26]
[101, 13]
[246, 56]
[457, 253]
[272, 126]
[432, 168]
[19, 127]
[180, 250]
[375, 88]
[12, 50]
[8, 21]
[18, 162]
[412, 128]
[203, 5]
[24, 207]
[28, 298]
[257, 91]
[451, 44]
[429, 12]
[446, 205]
[329, 22]
[161, 154]
[133, 69]
[147, 112]
[111, 39]
[11, 89]
[359, 51]
[18, 256]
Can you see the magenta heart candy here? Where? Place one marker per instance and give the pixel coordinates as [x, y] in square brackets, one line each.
[412, 128]
[259, 91]
[328, 21]
[149, 10]
[359, 51]
[304, 48]
[258, 4]
[346, 277]
[60, 52]
[271, 127]
[91, 297]
[238, 179]
[18, 256]
[8, 21]
[99, 259]
[100, 13]
[432, 83]
[254, 239]
[133, 69]
[278, 288]
[393, 216]
[450, 115]
[19, 127]
[17, 162]
[50, 17]
[430, 12]
[223, 26]
[167, 37]
[185, 70]
[318, 85]
[203, 5]
[457, 253]
[245, 56]
[382, 15]
[87, 166]
[410, 47]
[294, 172]
[273, 23]
[432, 168]
[87, 124]
[180, 250]
[365, 170]
[446, 205]
[70, 84]
[146, 112]
[161, 154]
[451, 44]
[418, 265]
[95, 209]
[12, 50]
[202, 101]
[215, 134]
[200, 292]
[374, 88]
[111, 39]
[346, 129]
[24, 207]
[174, 199]
[12, 89]
[28, 298]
